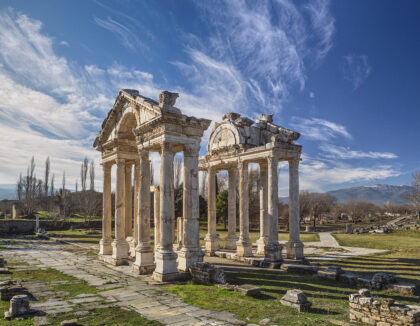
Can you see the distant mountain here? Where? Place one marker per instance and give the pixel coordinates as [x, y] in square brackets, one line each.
[377, 194]
[7, 191]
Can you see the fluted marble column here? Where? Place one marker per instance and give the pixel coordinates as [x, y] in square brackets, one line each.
[272, 250]
[105, 247]
[264, 223]
[244, 245]
[128, 201]
[120, 245]
[231, 237]
[156, 215]
[294, 247]
[136, 198]
[165, 258]
[144, 251]
[212, 241]
[190, 252]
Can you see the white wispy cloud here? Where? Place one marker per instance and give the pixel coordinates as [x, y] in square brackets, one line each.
[268, 42]
[319, 129]
[341, 152]
[356, 69]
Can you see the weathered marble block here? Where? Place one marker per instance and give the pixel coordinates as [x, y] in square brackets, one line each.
[296, 299]
[207, 274]
[247, 289]
[19, 306]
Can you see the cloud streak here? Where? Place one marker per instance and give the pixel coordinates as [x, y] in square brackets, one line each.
[356, 69]
[319, 129]
[344, 153]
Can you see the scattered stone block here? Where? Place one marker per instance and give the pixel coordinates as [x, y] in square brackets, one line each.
[296, 299]
[19, 306]
[2, 261]
[9, 289]
[70, 322]
[299, 268]
[403, 288]
[207, 274]
[265, 321]
[363, 282]
[247, 289]
[383, 280]
[348, 278]
[226, 286]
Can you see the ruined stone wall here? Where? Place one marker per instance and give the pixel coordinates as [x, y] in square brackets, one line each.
[381, 311]
[9, 227]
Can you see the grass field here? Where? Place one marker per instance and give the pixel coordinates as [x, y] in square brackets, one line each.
[330, 299]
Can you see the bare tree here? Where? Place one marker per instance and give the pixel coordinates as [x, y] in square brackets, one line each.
[321, 204]
[46, 176]
[76, 186]
[92, 176]
[414, 198]
[83, 173]
[19, 187]
[177, 171]
[29, 188]
[63, 182]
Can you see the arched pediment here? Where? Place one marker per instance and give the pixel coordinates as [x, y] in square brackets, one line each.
[225, 136]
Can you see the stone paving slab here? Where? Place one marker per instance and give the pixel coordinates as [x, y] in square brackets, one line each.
[120, 287]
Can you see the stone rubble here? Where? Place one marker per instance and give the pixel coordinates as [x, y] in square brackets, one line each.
[296, 299]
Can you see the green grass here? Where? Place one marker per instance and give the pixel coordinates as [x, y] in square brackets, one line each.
[78, 236]
[74, 289]
[106, 316]
[49, 275]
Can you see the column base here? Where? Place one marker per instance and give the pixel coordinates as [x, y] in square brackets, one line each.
[187, 257]
[119, 250]
[144, 260]
[261, 243]
[171, 277]
[105, 247]
[272, 252]
[294, 250]
[231, 242]
[165, 262]
[131, 246]
[212, 243]
[244, 248]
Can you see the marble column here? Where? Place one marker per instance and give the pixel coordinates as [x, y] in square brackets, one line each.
[211, 239]
[294, 247]
[264, 223]
[244, 245]
[190, 252]
[120, 245]
[105, 247]
[144, 252]
[231, 237]
[136, 199]
[165, 258]
[128, 201]
[272, 250]
[156, 215]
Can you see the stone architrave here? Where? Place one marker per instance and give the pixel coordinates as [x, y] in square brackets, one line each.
[190, 252]
[273, 249]
[144, 251]
[294, 247]
[165, 258]
[156, 215]
[211, 239]
[231, 238]
[244, 245]
[120, 245]
[105, 247]
[264, 223]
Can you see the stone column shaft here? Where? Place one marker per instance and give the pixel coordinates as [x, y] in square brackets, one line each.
[128, 201]
[120, 245]
[136, 198]
[105, 247]
[166, 268]
[294, 246]
[272, 250]
[231, 238]
[212, 241]
[190, 252]
[144, 252]
[244, 245]
[156, 212]
[264, 223]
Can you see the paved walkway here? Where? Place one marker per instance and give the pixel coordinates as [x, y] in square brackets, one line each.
[327, 248]
[120, 286]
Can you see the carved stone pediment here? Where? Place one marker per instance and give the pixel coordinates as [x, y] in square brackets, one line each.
[167, 98]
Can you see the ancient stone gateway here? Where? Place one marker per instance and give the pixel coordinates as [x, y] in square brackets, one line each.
[135, 126]
[233, 144]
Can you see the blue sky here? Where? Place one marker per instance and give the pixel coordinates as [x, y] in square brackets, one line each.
[343, 73]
